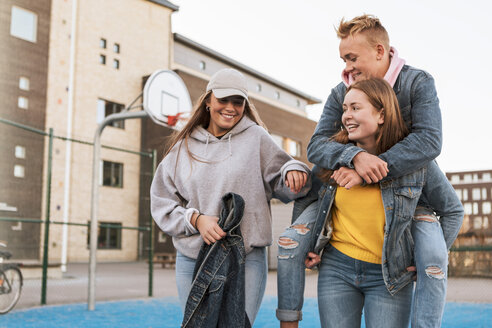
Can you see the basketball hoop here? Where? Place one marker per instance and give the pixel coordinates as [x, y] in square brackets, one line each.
[166, 99]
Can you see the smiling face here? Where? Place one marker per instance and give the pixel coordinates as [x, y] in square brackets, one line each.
[224, 113]
[363, 60]
[361, 120]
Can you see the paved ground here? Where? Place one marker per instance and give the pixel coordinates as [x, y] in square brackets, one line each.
[469, 301]
[117, 281]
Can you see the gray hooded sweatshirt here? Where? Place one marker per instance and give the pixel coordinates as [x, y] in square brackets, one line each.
[245, 161]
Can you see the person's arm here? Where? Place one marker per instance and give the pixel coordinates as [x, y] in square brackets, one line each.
[285, 178]
[422, 145]
[324, 152]
[171, 214]
[168, 206]
[424, 142]
[442, 198]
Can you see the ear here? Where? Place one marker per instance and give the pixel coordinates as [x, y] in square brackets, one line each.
[381, 116]
[380, 50]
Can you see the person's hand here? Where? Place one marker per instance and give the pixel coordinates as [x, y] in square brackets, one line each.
[209, 229]
[346, 177]
[295, 180]
[370, 167]
[312, 259]
[413, 269]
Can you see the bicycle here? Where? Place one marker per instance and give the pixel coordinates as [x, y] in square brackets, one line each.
[10, 282]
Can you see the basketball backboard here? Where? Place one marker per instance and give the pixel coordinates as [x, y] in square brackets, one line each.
[166, 99]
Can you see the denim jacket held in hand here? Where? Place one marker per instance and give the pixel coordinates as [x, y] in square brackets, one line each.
[217, 296]
[427, 187]
[419, 105]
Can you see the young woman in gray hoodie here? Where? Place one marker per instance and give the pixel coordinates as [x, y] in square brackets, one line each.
[223, 148]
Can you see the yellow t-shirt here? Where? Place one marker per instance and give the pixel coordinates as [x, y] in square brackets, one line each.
[358, 222]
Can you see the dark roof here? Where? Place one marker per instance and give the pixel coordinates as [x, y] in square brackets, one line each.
[249, 70]
[166, 4]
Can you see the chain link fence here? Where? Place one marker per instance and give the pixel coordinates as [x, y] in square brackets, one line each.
[40, 236]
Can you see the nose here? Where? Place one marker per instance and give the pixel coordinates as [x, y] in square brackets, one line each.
[229, 105]
[349, 66]
[346, 115]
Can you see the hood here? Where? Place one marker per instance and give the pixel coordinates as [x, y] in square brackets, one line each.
[396, 64]
[201, 135]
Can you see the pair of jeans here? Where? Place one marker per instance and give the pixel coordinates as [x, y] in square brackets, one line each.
[293, 245]
[347, 287]
[430, 255]
[431, 259]
[255, 280]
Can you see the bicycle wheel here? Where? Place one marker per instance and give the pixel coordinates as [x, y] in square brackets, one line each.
[10, 288]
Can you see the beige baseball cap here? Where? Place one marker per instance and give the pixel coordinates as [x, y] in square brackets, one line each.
[228, 82]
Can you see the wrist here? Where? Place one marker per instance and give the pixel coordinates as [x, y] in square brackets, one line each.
[196, 221]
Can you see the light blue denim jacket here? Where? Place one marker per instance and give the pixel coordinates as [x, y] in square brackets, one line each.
[427, 187]
[419, 106]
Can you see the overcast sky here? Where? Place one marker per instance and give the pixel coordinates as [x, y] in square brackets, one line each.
[295, 42]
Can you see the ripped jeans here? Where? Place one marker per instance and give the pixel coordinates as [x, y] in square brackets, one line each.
[431, 262]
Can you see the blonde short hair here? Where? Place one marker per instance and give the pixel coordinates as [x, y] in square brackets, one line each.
[368, 25]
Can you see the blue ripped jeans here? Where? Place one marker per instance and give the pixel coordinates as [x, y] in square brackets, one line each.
[431, 261]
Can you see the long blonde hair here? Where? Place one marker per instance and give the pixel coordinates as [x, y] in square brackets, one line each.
[382, 98]
[201, 116]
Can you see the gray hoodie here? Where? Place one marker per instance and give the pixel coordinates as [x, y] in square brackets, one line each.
[245, 161]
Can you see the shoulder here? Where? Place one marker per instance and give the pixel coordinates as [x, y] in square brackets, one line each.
[339, 91]
[412, 73]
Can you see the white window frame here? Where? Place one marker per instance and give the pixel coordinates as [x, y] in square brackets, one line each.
[23, 102]
[20, 152]
[19, 171]
[24, 83]
[28, 20]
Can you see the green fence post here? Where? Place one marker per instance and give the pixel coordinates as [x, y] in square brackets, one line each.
[47, 221]
[151, 237]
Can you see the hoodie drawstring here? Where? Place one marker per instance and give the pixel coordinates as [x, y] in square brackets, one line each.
[206, 144]
[230, 146]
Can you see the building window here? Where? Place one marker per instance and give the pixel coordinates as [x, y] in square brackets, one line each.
[116, 48]
[106, 108]
[477, 223]
[455, 178]
[23, 24]
[24, 83]
[108, 235]
[20, 152]
[19, 171]
[292, 147]
[484, 193]
[486, 208]
[277, 95]
[476, 194]
[475, 208]
[112, 175]
[465, 194]
[162, 237]
[486, 177]
[468, 208]
[467, 178]
[102, 43]
[485, 222]
[102, 59]
[475, 177]
[202, 65]
[23, 102]
[298, 103]
[258, 87]
[116, 63]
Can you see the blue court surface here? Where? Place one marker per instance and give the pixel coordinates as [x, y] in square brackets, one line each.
[165, 312]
